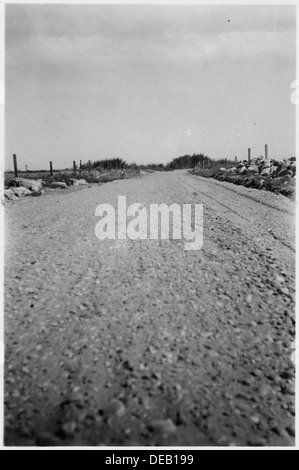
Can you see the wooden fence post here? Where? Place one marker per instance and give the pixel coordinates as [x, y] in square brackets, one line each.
[236, 160]
[89, 166]
[51, 169]
[266, 152]
[74, 166]
[15, 164]
[249, 155]
[80, 166]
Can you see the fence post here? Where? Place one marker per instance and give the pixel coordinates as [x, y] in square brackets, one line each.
[51, 169]
[89, 166]
[249, 156]
[236, 160]
[266, 152]
[74, 166]
[225, 164]
[15, 164]
[80, 165]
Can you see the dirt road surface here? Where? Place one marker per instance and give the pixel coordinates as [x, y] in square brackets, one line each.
[121, 342]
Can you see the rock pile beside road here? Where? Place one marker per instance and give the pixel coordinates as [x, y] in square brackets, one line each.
[14, 193]
[21, 187]
[263, 166]
[269, 174]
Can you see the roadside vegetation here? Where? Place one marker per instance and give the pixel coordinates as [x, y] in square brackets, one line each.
[284, 184]
[107, 170]
[102, 171]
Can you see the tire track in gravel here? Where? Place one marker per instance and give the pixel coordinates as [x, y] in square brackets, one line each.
[220, 203]
[282, 203]
[290, 215]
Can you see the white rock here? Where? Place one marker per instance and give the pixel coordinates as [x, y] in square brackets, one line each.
[21, 192]
[116, 408]
[164, 427]
[32, 185]
[254, 168]
[58, 184]
[266, 171]
[9, 194]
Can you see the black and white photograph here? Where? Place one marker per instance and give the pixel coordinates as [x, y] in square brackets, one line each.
[148, 203]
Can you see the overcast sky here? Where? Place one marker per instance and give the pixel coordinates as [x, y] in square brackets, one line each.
[147, 83]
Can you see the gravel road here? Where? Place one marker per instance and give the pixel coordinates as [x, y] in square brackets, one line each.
[122, 342]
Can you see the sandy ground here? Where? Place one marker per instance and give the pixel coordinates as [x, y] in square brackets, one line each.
[122, 342]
